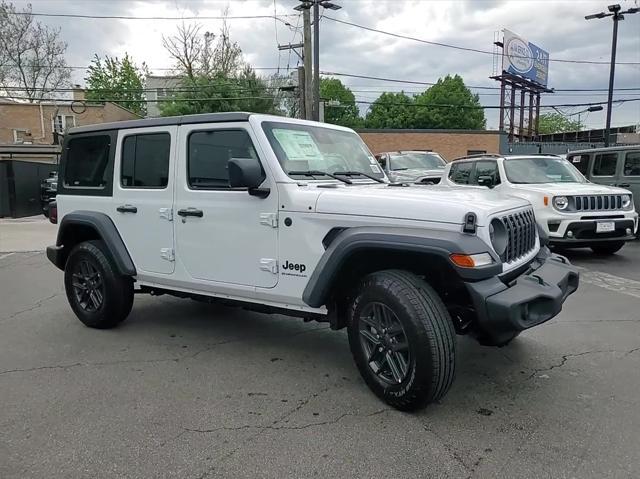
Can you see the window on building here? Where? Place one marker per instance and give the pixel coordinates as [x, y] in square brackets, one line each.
[476, 152]
[605, 164]
[21, 136]
[209, 155]
[87, 160]
[145, 161]
[632, 164]
[461, 172]
[62, 123]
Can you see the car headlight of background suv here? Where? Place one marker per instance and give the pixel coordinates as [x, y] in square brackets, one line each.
[626, 201]
[561, 202]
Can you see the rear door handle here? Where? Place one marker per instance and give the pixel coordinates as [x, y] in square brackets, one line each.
[191, 212]
[127, 209]
[624, 185]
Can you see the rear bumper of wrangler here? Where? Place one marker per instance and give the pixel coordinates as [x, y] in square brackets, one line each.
[530, 299]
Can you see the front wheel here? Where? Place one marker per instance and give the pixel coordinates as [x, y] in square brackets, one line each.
[607, 248]
[97, 293]
[402, 339]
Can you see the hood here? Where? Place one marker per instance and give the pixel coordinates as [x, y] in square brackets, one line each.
[414, 173]
[444, 204]
[569, 189]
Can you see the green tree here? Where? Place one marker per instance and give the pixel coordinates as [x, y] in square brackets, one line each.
[340, 103]
[449, 104]
[391, 110]
[120, 81]
[557, 123]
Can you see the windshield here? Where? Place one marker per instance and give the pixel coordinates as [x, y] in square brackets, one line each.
[409, 161]
[542, 170]
[301, 148]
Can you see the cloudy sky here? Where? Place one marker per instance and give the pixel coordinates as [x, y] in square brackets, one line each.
[557, 26]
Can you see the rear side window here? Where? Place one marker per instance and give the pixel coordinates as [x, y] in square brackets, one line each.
[605, 164]
[87, 161]
[580, 161]
[487, 168]
[209, 155]
[632, 164]
[460, 172]
[145, 161]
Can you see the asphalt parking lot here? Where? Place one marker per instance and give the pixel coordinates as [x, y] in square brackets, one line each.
[189, 390]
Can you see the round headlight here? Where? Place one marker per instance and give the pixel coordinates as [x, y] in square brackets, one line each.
[498, 235]
[561, 202]
[626, 201]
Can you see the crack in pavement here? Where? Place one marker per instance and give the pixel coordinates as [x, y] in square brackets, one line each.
[451, 450]
[34, 306]
[566, 357]
[142, 361]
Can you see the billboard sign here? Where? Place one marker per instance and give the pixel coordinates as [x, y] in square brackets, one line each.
[525, 59]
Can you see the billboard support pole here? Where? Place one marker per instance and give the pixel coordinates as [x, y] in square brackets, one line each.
[537, 131]
[530, 129]
[521, 134]
[512, 111]
[502, 94]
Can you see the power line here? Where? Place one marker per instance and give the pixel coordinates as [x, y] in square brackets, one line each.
[490, 107]
[130, 17]
[143, 100]
[466, 49]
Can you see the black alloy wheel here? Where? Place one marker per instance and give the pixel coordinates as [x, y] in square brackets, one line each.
[88, 286]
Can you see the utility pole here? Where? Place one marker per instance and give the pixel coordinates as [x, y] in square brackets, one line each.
[617, 14]
[306, 56]
[302, 94]
[316, 60]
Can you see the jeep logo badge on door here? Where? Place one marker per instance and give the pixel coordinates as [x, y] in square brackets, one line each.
[294, 269]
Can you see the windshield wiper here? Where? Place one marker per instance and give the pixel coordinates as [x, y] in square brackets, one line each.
[320, 173]
[358, 173]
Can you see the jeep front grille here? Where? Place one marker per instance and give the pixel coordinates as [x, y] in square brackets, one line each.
[521, 234]
[598, 202]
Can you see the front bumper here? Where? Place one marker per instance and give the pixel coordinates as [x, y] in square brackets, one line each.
[584, 233]
[533, 297]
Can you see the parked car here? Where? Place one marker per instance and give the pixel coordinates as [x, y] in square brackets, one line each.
[613, 166]
[573, 211]
[48, 190]
[412, 166]
[295, 217]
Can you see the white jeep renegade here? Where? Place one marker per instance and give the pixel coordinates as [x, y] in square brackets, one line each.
[295, 217]
[573, 211]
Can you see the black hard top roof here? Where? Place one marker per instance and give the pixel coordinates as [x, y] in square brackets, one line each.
[606, 149]
[164, 121]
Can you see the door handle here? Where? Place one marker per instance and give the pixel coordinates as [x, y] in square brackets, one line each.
[127, 209]
[624, 185]
[191, 212]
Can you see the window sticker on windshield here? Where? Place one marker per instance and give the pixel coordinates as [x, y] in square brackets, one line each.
[375, 168]
[300, 146]
[576, 159]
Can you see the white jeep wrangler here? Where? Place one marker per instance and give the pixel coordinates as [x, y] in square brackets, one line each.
[573, 211]
[294, 217]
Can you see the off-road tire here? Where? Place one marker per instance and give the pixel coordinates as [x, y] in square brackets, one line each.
[607, 248]
[116, 290]
[430, 336]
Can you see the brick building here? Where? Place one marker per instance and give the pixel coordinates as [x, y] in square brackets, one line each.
[35, 123]
[448, 143]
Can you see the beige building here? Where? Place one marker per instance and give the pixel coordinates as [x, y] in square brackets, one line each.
[448, 143]
[35, 123]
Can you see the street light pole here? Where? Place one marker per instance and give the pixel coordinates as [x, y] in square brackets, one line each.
[617, 16]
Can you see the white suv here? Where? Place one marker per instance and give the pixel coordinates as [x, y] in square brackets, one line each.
[294, 217]
[572, 211]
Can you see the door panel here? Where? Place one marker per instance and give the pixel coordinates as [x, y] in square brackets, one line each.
[143, 196]
[630, 175]
[604, 168]
[226, 235]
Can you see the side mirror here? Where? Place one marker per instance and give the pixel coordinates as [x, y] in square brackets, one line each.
[486, 181]
[247, 173]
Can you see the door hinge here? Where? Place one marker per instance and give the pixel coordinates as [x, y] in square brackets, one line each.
[168, 254]
[269, 264]
[166, 213]
[269, 219]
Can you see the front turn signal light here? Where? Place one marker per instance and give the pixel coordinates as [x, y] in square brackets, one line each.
[546, 200]
[471, 260]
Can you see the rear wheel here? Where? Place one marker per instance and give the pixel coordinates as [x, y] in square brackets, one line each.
[99, 296]
[402, 339]
[607, 248]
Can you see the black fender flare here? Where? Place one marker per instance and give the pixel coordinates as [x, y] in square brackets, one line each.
[106, 230]
[414, 240]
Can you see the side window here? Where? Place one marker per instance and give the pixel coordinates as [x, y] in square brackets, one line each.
[382, 159]
[605, 164]
[86, 163]
[580, 161]
[632, 164]
[486, 168]
[209, 154]
[460, 172]
[145, 161]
